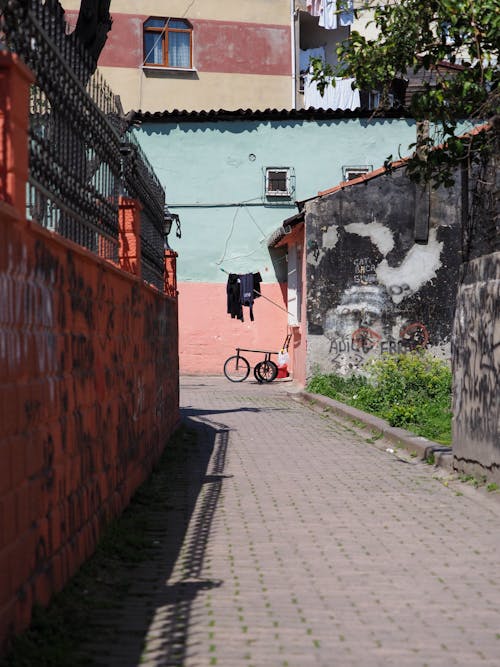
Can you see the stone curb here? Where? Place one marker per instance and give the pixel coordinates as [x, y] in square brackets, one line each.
[443, 456]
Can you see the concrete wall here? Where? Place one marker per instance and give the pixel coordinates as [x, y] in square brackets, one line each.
[89, 396]
[476, 349]
[370, 288]
[213, 171]
[476, 364]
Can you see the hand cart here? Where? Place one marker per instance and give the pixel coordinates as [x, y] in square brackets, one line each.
[237, 367]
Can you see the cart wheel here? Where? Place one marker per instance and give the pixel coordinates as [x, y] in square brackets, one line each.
[265, 371]
[236, 368]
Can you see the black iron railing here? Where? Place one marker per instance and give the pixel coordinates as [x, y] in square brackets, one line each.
[81, 155]
[74, 150]
[140, 182]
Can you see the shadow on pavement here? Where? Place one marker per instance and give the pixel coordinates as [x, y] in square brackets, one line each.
[153, 625]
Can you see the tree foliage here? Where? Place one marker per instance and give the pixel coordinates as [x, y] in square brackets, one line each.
[451, 47]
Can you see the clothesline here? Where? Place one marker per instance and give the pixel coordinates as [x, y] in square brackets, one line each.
[262, 295]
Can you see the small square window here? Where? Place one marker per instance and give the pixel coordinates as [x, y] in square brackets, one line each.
[351, 172]
[278, 182]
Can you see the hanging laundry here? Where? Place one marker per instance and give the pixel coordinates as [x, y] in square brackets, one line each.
[233, 291]
[340, 96]
[246, 293]
[332, 13]
[328, 14]
[346, 17]
[314, 7]
[242, 290]
[306, 54]
[257, 279]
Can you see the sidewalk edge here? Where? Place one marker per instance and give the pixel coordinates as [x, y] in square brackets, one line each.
[424, 448]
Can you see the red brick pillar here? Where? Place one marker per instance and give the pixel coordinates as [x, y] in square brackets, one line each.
[171, 273]
[129, 223]
[15, 81]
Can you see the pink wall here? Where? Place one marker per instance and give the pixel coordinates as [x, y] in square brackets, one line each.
[218, 46]
[244, 48]
[208, 335]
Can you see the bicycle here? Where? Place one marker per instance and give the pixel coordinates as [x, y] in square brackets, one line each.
[237, 367]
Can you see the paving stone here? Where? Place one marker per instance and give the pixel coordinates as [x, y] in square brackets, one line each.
[306, 545]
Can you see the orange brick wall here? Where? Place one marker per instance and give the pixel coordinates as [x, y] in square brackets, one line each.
[88, 399]
[89, 380]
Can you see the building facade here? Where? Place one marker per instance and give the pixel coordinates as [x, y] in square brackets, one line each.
[205, 55]
[233, 178]
[374, 265]
[251, 54]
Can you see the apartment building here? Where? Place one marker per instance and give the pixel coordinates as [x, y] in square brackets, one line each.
[203, 55]
[197, 55]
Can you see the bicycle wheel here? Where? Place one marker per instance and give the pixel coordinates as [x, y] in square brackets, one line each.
[265, 371]
[236, 368]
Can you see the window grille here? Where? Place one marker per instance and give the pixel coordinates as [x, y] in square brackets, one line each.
[279, 182]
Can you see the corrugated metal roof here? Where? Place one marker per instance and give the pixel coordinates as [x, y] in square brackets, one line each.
[214, 115]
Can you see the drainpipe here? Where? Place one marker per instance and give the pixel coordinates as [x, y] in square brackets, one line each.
[292, 39]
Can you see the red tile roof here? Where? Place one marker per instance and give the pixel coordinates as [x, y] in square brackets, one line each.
[393, 165]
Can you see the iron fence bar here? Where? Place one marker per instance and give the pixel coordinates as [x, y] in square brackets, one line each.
[81, 152]
[75, 161]
[61, 205]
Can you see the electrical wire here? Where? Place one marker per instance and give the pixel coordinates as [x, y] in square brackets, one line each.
[254, 221]
[229, 236]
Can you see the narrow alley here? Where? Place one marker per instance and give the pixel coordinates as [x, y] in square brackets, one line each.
[294, 541]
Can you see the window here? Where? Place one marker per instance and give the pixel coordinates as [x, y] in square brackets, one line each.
[278, 182]
[168, 42]
[351, 172]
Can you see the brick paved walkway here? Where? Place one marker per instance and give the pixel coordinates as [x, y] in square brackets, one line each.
[308, 545]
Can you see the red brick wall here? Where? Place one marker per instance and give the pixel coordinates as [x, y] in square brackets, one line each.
[88, 399]
[88, 393]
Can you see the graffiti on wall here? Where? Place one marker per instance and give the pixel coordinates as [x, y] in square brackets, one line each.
[476, 360]
[373, 290]
[365, 323]
[353, 351]
[92, 356]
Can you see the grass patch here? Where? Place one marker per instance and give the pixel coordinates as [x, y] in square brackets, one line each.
[411, 390]
[56, 634]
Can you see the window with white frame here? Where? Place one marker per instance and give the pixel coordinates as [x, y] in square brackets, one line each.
[279, 182]
[350, 172]
[168, 42]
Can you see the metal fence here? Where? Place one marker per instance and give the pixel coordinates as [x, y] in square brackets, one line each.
[80, 158]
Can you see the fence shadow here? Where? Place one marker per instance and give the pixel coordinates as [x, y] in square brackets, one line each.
[153, 625]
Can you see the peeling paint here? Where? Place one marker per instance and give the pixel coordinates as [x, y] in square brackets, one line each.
[379, 234]
[371, 289]
[330, 237]
[418, 267]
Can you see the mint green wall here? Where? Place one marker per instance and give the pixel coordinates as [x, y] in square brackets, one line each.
[216, 187]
